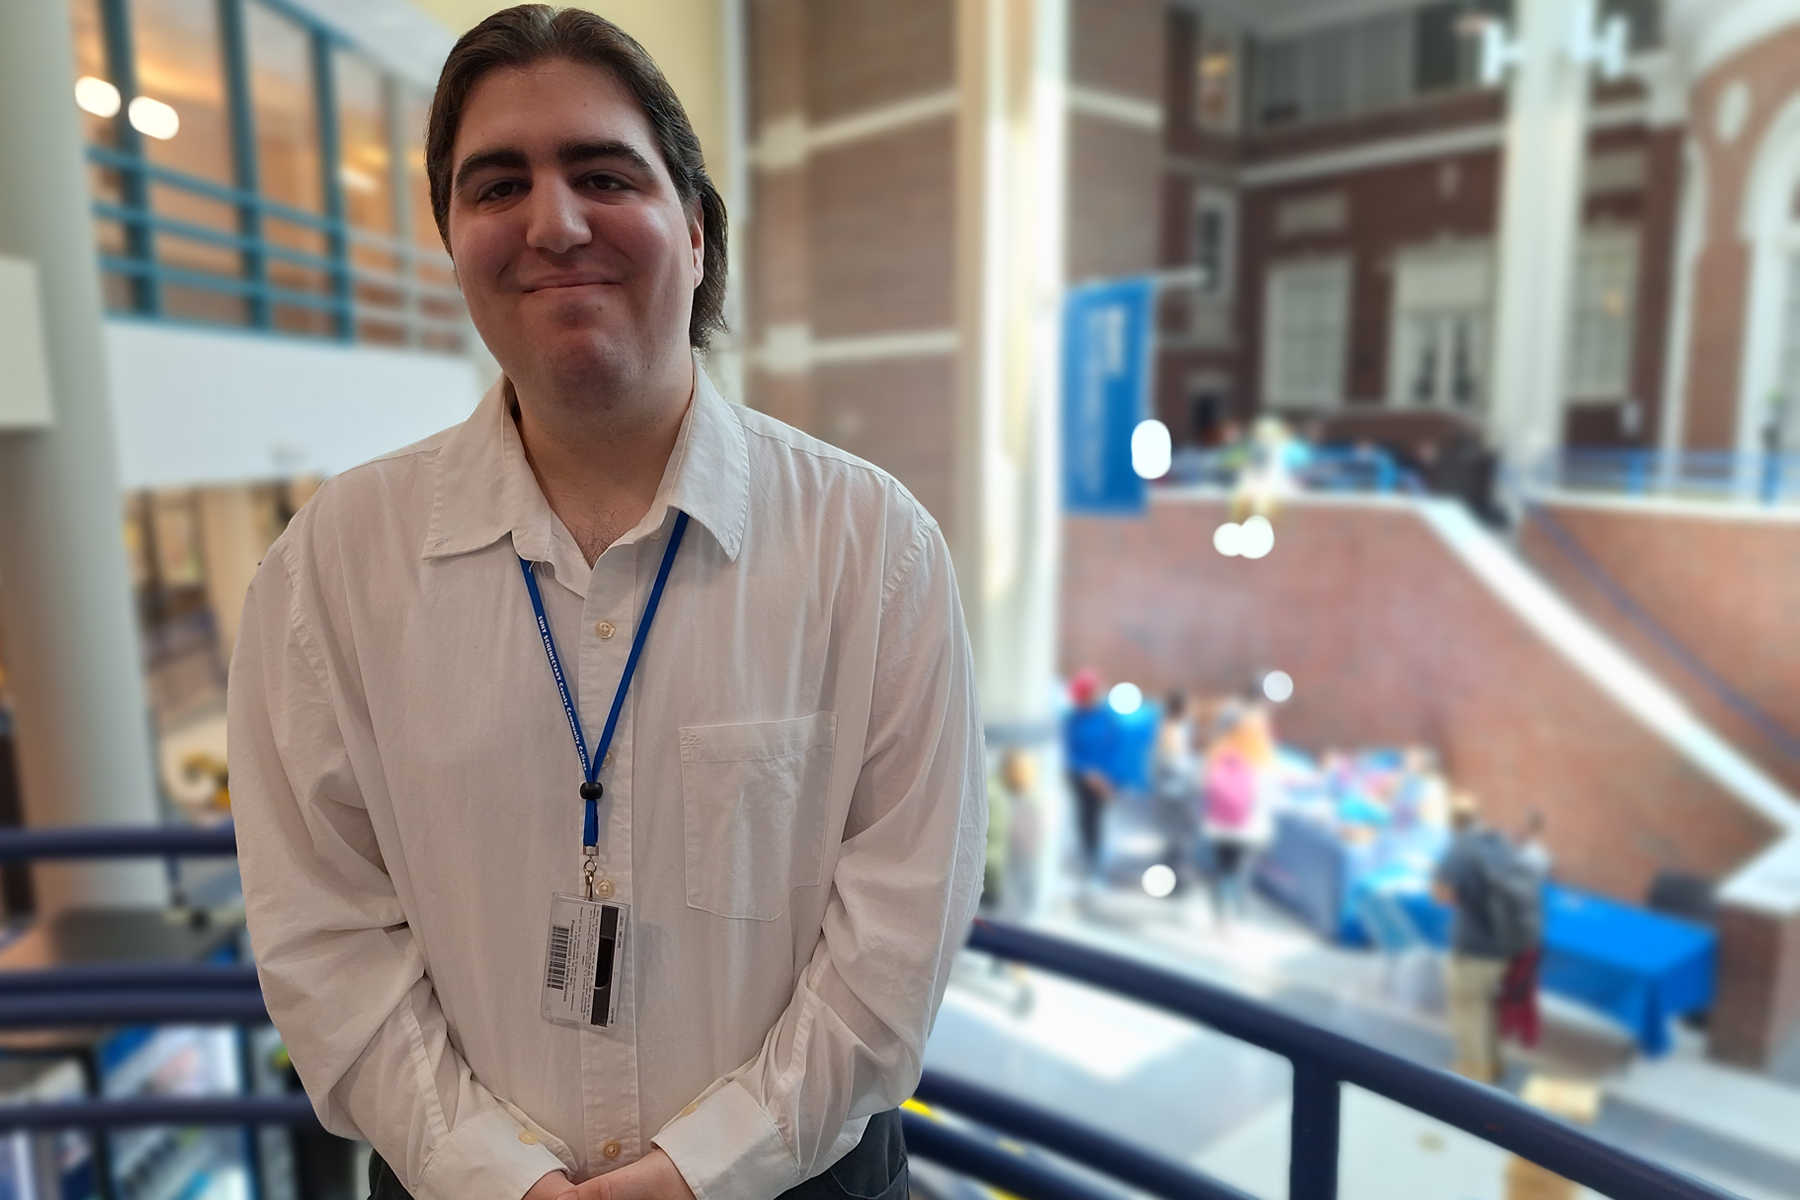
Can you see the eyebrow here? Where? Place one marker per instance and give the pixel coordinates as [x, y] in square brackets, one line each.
[568, 154]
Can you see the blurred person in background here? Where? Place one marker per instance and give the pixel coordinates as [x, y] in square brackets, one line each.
[1174, 783]
[1235, 816]
[1091, 739]
[518, 968]
[1496, 919]
[1013, 837]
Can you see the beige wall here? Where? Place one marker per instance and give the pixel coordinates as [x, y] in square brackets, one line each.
[687, 39]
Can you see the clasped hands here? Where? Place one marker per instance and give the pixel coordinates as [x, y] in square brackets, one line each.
[652, 1177]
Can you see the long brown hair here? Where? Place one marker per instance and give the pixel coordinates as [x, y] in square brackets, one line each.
[532, 33]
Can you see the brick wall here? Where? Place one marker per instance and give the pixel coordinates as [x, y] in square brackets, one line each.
[1722, 273]
[1723, 588]
[1114, 166]
[857, 239]
[1391, 641]
[1758, 1006]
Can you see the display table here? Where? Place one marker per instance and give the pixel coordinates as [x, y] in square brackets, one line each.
[1640, 968]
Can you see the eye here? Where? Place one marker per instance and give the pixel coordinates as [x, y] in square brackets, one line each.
[500, 189]
[605, 182]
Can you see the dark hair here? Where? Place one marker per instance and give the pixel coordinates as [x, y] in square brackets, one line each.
[532, 33]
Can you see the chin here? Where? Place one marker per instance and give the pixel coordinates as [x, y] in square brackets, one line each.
[569, 361]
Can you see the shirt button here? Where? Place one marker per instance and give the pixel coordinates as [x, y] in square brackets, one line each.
[690, 1110]
[528, 1137]
[607, 761]
[611, 1149]
[605, 629]
[604, 889]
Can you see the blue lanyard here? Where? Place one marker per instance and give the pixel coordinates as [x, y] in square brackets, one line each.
[591, 789]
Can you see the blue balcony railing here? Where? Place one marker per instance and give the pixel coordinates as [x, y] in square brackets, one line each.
[354, 298]
[1765, 478]
[984, 1143]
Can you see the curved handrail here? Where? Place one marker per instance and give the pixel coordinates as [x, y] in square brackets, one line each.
[1322, 1059]
[117, 841]
[1015, 1173]
[1109, 1155]
[135, 1006]
[1485, 1112]
[104, 976]
[287, 1109]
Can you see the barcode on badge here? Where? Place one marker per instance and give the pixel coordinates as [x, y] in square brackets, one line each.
[557, 976]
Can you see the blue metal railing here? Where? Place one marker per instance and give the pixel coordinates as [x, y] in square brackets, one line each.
[1322, 469]
[1772, 730]
[1323, 1062]
[348, 292]
[336, 269]
[1757, 478]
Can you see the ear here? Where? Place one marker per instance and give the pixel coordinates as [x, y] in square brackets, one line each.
[697, 239]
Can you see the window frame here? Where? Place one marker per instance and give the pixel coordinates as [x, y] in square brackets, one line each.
[1278, 279]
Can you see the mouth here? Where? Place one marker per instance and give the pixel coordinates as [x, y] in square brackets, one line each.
[551, 285]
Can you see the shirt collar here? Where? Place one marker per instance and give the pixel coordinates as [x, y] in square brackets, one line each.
[485, 489]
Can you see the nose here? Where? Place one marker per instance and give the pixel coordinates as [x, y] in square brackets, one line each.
[557, 222]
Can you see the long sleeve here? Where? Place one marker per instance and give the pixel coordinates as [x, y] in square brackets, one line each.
[852, 1040]
[345, 981]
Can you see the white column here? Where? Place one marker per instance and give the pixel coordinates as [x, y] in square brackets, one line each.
[1011, 195]
[1540, 215]
[65, 594]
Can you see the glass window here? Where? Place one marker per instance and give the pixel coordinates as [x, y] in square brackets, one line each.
[90, 63]
[1278, 83]
[284, 110]
[1645, 17]
[97, 95]
[1447, 37]
[440, 305]
[1213, 234]
[1216, 83]
[366, 172]
[1306, 332]
[1604, 312]
[180, 108]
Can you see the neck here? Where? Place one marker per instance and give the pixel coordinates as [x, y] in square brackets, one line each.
[600, 459]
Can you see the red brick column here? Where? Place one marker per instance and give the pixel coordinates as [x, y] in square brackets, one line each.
[1758, 1007]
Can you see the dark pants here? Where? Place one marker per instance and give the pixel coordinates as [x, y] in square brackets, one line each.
[874, 1170]
[1090, 806]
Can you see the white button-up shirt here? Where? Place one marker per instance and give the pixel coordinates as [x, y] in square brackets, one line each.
[794, 807]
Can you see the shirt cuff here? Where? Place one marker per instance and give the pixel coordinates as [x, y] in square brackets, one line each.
[727, 1148]
[485, 1157]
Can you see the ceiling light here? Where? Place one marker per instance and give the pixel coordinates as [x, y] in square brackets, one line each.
[358, 180]
[1278, 686]
[1256, 537]
[1152, 451]
[97, 96]
[154, 119]
[1125, 698]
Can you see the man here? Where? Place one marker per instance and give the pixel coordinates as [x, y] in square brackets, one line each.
[1091, 748]
[1496, 917]
[607, 775]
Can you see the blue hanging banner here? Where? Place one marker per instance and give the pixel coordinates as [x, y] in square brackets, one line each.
[1106, 392]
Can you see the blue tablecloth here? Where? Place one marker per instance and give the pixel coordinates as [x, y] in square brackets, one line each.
[1640, 968]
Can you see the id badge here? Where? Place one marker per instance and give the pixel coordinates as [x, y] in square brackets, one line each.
[583, 962]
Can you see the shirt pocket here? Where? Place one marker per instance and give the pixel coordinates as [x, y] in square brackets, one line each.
[753, 800]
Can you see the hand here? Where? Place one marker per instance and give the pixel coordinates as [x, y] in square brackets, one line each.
[551, 1187]
[652, 1177]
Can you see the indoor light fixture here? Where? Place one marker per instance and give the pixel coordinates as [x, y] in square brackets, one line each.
[153, 118]
[97, 96]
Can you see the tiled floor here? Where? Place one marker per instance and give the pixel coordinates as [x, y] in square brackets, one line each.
[1223, 1106]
